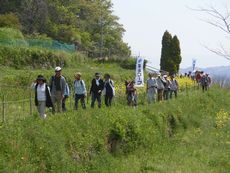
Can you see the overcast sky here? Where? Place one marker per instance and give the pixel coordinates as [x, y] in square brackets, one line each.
[145, 22]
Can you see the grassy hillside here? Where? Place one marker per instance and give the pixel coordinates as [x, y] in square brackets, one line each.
[190, 134]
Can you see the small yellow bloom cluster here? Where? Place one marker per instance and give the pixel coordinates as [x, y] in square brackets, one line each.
[185, 82]
[222, 119]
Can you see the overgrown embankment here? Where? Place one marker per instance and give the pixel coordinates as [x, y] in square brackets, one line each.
[190, 134]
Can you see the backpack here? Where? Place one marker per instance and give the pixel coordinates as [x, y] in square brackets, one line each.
[80, 82]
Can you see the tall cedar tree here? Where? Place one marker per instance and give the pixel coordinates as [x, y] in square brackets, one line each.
[166, 51]
[176, 53]
[170, 54]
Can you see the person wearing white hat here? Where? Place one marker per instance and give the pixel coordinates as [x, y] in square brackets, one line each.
[57, 87]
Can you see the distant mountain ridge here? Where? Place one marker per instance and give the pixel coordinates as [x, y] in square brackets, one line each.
[213, 71]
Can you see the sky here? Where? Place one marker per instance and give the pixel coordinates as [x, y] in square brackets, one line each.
[145, 22]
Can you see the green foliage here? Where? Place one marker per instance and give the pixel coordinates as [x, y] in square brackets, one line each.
[176, 53]
[10, 34]
[90, 25]
[10, 21]
[170, 54]
[163, 137]
[130, 63]
[22, 56]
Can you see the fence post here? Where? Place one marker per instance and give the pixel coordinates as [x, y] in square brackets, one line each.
[3, 110]
[31, 109]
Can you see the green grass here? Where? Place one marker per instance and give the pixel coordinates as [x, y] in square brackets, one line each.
[177, 136]
[189, 134]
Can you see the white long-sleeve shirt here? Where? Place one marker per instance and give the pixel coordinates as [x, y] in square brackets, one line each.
[41, 91]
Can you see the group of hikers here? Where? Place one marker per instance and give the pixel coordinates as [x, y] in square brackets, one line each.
[54, 94]
[158, 88]
[203, 79]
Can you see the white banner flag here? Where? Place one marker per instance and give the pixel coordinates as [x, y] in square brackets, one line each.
[139, 81]
[193, 64]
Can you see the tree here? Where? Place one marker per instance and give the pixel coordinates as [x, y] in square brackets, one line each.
[176, 54]
[170, 54]
[220, 20]
[166, 51]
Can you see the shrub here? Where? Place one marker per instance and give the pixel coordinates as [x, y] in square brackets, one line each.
[23, 56]
[10, 36]
[130, 63]
[10, 20]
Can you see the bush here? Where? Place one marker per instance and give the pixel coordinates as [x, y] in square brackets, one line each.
[130, 63]
[22, 56]
[10, 20]
[10, 36]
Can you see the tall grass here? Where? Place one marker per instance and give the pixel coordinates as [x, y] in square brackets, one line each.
[176, 136]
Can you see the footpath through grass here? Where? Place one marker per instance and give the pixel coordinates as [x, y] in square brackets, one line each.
[190, 134]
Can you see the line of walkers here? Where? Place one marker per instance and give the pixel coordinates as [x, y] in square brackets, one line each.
[55, 94]
[160, 87]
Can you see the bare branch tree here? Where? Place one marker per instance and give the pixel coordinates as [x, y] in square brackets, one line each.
[220, 20]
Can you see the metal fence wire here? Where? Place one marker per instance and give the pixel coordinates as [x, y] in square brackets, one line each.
[17, 103]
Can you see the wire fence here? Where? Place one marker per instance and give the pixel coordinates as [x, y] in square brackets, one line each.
[18, 107]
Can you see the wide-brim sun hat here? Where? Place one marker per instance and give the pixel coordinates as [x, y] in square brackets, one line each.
[40, 77]
[77, 74]
[57, 69]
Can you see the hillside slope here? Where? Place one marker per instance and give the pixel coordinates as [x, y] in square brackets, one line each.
[190, 134]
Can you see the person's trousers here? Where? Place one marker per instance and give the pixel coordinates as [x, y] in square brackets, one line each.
[94, 98]
[108, 100]
[41, 109]
[171, 94]
[152, 96]
[80, 97]
[204, 88]
[57, 101]
[63, 103]
[166, 94]
[160, 94]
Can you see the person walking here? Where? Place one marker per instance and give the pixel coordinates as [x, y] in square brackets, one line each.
[97, 85]
[131, 94]
[204, 82]
[151, 89]
[160, 88]
[109, 90]
[42, 95]
[174, 86]
[209, 80]
[166, 87]
[80, 91]
[57, 87]
[66, 95]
